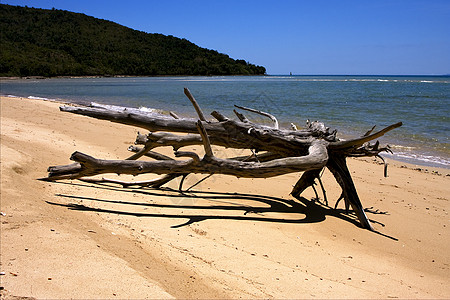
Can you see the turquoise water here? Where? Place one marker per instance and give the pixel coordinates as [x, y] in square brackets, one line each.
[351, 104]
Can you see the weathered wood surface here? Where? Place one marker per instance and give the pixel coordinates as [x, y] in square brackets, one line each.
[274, 151]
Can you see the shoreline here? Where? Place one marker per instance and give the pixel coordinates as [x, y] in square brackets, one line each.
[79, 240]
[406, 161]
[137, 76]
[421, 140]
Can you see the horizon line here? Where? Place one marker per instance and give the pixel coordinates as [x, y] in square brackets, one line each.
[436, 75]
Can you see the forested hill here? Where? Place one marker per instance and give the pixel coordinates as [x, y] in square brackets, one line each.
[40, 42]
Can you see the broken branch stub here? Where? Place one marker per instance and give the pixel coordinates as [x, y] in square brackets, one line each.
[275, 151]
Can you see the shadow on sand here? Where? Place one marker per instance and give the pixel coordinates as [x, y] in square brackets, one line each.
[313, 211]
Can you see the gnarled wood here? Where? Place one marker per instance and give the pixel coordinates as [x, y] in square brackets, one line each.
[262, 113]
[88, 166]
[273, 151]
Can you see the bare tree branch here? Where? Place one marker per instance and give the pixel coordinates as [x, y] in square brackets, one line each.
[262, 113]
[274, 151]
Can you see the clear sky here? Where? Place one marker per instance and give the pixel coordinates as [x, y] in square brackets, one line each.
[392, 37]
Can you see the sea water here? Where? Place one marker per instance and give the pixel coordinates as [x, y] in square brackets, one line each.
[350, 104]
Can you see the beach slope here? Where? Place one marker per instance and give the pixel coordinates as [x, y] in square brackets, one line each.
[228, 238]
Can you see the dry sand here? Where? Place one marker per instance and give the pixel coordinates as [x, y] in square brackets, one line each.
[242, 238]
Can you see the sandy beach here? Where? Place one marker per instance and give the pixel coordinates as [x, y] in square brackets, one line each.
[229, 238]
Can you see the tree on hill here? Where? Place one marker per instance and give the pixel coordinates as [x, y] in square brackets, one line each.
[41, 42]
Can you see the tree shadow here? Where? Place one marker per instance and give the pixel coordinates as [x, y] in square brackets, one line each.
[313, 211]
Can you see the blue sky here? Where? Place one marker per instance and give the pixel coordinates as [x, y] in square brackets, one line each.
[392, 37]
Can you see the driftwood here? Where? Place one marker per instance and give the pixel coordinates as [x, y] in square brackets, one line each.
[274, 151]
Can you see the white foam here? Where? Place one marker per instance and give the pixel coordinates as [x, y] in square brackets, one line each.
[140, 110]
[409, 148]
[147, 109]
[37, 98]
[420, 159]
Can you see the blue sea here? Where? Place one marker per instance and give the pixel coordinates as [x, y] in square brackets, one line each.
[350, 104]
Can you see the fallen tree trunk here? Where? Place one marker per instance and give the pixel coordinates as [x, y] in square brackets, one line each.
[274, 151]
[88, 166]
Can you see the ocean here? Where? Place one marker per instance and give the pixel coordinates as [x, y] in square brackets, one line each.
[350, 104]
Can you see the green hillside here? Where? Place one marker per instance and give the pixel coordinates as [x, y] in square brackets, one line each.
[40, 42]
